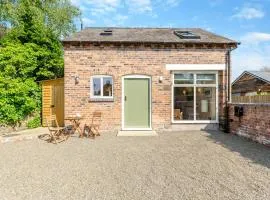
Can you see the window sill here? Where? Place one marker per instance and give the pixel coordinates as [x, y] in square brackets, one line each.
[196, 122]
[94, 99]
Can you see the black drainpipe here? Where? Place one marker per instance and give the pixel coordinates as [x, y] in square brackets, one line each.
[229, 93]
[227, 115]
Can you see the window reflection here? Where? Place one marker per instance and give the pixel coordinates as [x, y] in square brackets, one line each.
[206, 78]
[107, 86]
[184, 78]
[97, 86]
[206, 103]
[183, 103]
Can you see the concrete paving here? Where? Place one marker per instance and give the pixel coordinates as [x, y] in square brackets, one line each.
[182, 165]
[27, 134]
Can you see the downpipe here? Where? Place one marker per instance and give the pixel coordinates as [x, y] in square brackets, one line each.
[228, 90]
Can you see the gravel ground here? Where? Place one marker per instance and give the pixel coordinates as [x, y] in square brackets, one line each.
[190, 165]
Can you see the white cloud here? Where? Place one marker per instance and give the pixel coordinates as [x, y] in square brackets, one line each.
[252, 54]
[139, 6]
[76, 2]
[214, 3]
[165, 4]
[103, 7]
[117, 20]
[87, 22]
[121, 18]
[172, 3]
[249, 13]
[255, 38]
[102, 3]
[249, 59]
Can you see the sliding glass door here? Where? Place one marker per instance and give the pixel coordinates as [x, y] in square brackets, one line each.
[195, 96]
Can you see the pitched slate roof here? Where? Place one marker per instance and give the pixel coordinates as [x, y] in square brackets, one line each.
[262, 75]
[146, 35]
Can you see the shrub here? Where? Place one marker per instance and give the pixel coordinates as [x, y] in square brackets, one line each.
[34, 123]
[19, 92]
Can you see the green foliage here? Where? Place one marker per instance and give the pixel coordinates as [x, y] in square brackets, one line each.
[2, 30]
[19, 94]
[30, 51]
[19, 98]
[42, 23]
[56, 15]
[35, 122]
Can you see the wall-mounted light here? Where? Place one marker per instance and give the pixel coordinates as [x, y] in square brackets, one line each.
[160, 79]
[77, 79]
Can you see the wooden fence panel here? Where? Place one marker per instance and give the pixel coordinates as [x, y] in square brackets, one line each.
[251, 99]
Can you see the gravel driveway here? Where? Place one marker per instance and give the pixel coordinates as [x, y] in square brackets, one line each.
[190, 165]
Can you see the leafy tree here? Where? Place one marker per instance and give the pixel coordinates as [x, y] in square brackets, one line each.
[56, 15]
[42, 22]
[2, 31]
[19, 94]
[30, 51]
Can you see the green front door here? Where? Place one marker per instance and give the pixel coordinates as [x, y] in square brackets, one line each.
[137, 103]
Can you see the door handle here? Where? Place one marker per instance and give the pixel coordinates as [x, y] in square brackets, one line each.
[125, 98]
[52, 106]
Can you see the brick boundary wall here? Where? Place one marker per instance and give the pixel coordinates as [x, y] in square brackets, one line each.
[254, 124]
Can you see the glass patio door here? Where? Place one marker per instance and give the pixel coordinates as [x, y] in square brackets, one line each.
[195, 96]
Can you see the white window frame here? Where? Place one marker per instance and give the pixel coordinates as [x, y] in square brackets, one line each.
[101, 77]
[195, 85]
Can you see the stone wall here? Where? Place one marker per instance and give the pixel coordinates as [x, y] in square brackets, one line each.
[86, 61]
[254, 124]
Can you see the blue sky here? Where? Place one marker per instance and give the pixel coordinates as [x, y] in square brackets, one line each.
[247, 21]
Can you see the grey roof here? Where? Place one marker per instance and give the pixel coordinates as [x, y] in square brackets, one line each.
[146, 35]
[263, 75]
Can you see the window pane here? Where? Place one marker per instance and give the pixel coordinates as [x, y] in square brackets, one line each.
[97, 86]
[206, 103]
[185, 78]
[206, 79]
[107, 86]
[183, 103]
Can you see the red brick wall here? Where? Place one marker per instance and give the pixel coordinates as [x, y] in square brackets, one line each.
[255, 124]
[117, 62]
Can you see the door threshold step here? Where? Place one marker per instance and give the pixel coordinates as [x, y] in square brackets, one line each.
[137, 133]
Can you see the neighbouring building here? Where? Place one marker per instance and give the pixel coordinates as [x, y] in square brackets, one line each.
[148, 78]
[251, 83]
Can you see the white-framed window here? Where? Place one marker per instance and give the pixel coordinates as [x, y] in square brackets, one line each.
[101, 86]
[195, 96]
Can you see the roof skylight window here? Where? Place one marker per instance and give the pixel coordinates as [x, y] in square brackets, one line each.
[186, 35]
[106, 32]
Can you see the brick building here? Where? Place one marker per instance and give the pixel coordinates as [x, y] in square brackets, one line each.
[148, 78]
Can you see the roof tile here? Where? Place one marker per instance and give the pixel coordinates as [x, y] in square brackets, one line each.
[145, 35]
